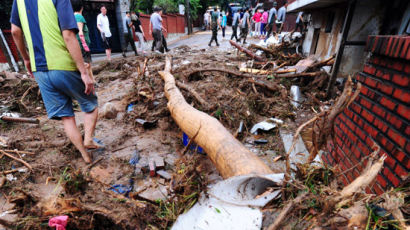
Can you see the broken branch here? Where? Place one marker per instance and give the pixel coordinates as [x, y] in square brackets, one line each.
[16, 159]
[247, 52]
[194, 94]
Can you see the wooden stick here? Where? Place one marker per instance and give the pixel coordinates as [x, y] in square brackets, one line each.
[194, 94]
[285, 211]
[312, 74]
[286, 71]
[24, 95]
[230, 156]
[247, 52]
[232, 72]
[17, 159]
[267, 85]
[18, 151]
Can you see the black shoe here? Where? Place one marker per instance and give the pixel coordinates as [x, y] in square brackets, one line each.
[123, 55]
[168, 50]
[217, 44]
[209, 44]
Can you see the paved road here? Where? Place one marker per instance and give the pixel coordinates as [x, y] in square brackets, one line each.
[199, 40]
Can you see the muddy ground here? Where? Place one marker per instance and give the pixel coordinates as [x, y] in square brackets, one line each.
[61, 183]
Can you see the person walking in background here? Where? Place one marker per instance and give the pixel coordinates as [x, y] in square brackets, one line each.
[83, 34]
[299, 22]
[206, 20]
[156, 29]
[245, 24]
[103, 25]
[215, 25]
[257, 22]
[264, 22]
[138, 30]
[281, 18]
[235, 23]
[57, 65]
[271, 20]
[128, 35]
[224, 22]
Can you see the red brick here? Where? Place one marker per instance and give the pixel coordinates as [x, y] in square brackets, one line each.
[389, 161]
[386, 76]
[370, 82]
[368, 191]
[407, 131]
[402, 95]
[399, 47]
[355, 108]
[375, 60]
[368, 116]
[379, 111]
[407, 68]
[389, 146]
[389, 44]
[401, 80]
[403, 111]
[369, 141]
[364, 90]
[405, 48]
[379, 73]
[377, 188]
[391, 177]
[381, 181]
[394, 44]
[380, 125]
[365, 103]
[395, 121]
[369, 69]
[387, 103]
[396, 137]
[387, 89]
[408, 147]
[359, 132]
[399, 155]
[397, 66]
[401, 172]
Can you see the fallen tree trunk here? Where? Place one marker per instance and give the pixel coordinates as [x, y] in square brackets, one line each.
[228, 154]
[247, 52]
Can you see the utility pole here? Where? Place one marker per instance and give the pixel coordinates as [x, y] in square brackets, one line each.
[188, 16]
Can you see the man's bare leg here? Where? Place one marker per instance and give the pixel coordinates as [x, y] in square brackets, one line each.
[90, 120]
[108, 52]
[74, 135]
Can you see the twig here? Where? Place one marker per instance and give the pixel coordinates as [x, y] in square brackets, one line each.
[190, 141]
[285, 211]
[12, 170]
[194, 94]
[18, 151]
[94, 163]
[24, 95]
[312, 74]
[17, 159]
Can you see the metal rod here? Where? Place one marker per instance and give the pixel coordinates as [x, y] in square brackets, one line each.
[336, 66]
[20, 119]
[9, 54]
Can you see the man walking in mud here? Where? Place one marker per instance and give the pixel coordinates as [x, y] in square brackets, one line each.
[156, 29]
[235, 23]
[215, 25]
[55, 60]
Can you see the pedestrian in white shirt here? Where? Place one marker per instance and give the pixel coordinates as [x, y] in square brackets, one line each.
[103, 26]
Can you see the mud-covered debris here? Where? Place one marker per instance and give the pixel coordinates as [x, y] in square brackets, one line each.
[164, 174]
[108, 111]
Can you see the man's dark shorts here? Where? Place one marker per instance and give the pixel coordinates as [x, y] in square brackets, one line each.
[107, 43]
[58, 89]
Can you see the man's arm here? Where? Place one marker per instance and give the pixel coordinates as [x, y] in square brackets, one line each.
[75, 52]
[150, 27]
[18, 39]
[98, 24]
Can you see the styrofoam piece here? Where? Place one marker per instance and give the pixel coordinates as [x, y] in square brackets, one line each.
[232, 204]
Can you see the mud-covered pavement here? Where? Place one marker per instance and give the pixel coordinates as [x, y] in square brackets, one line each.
[61, 183]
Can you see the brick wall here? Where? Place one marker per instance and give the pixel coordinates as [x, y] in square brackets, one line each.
[12, 46]
[380, 114]
[173, 23]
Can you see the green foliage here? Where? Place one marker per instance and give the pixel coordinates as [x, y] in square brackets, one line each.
[168, 6]
[142, 6]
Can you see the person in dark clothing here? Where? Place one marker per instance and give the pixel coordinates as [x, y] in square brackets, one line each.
[235, 23]
[128, 36]
[271, 20]
[245, 25]
[157, 31]
[215, 25]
